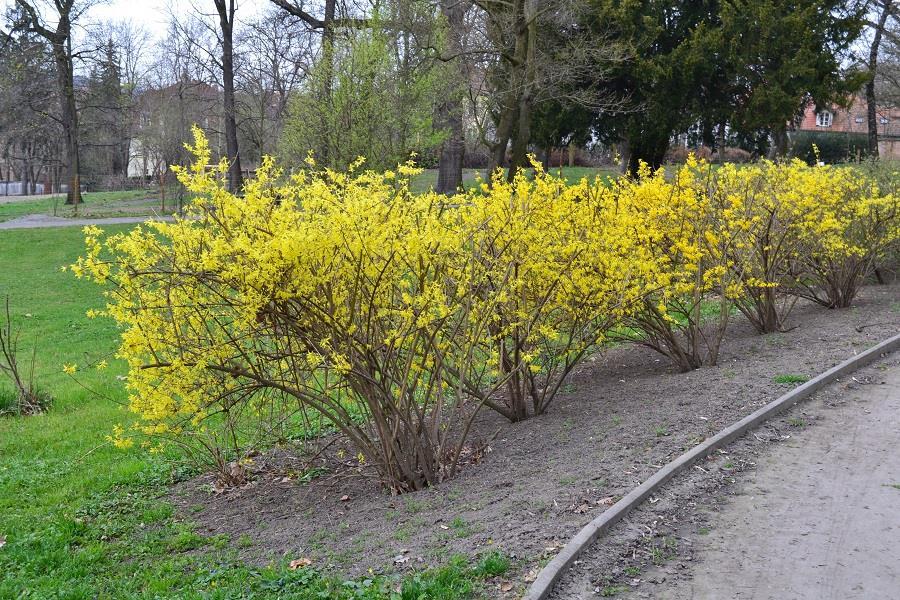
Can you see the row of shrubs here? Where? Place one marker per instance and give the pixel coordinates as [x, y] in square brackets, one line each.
[829, 146]
[811, 146]
[342, 300]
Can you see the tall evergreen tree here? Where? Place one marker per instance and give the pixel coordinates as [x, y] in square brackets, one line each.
[104, 130]
[743, 64]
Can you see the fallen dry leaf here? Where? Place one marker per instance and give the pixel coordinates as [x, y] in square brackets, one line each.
[608, 501]
[506, 587]
[345, 498]
[299, 562]
[531, 576]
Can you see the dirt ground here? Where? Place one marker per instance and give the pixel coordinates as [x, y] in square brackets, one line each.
[621, 417]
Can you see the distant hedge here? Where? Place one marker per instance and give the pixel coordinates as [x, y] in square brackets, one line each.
[834, 147]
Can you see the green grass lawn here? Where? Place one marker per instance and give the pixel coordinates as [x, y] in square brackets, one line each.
[94, 205]
[82, 519]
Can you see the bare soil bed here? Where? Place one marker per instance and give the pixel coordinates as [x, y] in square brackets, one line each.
[621, 416]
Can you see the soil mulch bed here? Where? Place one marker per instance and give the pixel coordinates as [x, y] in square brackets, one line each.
[623, 415]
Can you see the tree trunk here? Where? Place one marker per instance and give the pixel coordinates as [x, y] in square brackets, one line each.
[649, 148]
[498, 149]
[720, 142]
[870, 84]
[226, 20]
[623, 155]
[450, 165]
[26, 179]
[162, 192]
[69, 117]
[454, 147]
[526, 40]
[779, 143]
[519, 156]
[327, 90]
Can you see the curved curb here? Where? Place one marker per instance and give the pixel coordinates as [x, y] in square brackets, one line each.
[542, 586]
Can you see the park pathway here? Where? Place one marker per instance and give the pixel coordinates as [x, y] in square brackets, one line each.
[819, 519]
[41, 221]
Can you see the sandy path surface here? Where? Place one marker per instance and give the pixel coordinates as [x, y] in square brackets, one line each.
[819, 519]
[39, 221]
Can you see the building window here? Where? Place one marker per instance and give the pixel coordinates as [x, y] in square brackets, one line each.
[884, 120]
[859, 119]
[824, 118]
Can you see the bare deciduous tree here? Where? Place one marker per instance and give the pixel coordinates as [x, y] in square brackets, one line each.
[67, 12]
[328, 25]
[885, 9]
[226, 10]
[29, 125]
[537, 55]
[276, 57]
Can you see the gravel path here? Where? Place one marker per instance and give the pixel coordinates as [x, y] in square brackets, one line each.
[41, 221]
[817, 520]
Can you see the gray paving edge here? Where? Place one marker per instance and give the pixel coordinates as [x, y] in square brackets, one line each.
[550, 574]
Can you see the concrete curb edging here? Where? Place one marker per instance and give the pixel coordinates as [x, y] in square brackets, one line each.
[542, 586]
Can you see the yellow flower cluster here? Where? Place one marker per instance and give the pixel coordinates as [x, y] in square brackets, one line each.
[755, 237]
[342, 299]
[812, 232]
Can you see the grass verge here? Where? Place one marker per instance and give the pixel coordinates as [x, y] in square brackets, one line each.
[94, 205]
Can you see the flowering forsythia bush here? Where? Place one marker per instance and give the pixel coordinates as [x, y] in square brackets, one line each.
[751, 237]
[393, 317]
[813, 232]
[341, 301]
[684, 243]
[561, 274]
[852, 227]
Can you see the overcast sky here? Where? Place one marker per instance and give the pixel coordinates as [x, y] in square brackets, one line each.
[153, 14]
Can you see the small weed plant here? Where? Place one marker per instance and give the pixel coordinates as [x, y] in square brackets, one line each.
[25, 397]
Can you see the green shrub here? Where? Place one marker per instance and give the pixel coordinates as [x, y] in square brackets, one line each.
[833, 147]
